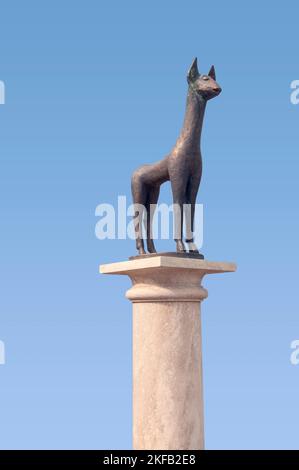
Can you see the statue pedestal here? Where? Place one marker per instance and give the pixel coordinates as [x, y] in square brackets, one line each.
[167, 357]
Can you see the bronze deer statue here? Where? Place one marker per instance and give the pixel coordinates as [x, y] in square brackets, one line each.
[183, 167]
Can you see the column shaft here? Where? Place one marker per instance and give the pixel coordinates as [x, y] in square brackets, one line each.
[167, 376]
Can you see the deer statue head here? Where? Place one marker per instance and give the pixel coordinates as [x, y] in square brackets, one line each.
[203, 85]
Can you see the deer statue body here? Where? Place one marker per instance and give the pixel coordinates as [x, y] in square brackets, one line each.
[182, 167]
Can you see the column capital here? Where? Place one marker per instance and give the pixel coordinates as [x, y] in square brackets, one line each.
[167, 278]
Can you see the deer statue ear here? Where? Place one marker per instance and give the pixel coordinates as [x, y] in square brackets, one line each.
[193, 73]
[212, 73]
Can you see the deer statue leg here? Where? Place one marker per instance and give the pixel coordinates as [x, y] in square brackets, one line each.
[151, 203]
[179, 197]
[138, 216]
[192, 190]
[178, 222]
[139, 193]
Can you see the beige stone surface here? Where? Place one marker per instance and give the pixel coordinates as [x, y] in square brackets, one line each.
[166, 294]
[167, 376]
[125, 267]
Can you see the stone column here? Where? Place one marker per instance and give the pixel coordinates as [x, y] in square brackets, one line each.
[167, 354]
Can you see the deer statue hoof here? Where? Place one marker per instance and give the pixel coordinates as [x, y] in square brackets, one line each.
[192, 248]
[151, 247]
[140, 248]
[180, 247]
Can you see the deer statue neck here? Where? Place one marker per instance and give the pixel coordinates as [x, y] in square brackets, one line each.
[192, 126]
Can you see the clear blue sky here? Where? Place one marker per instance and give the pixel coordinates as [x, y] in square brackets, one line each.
[93, 89]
